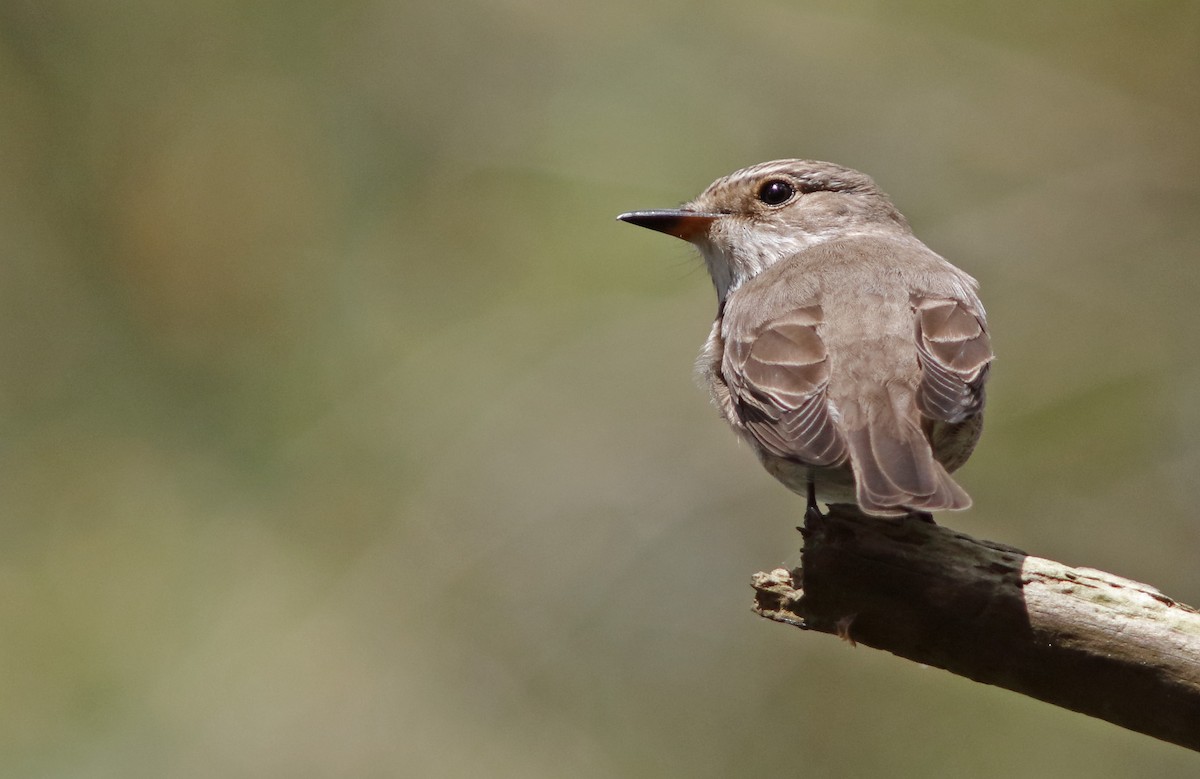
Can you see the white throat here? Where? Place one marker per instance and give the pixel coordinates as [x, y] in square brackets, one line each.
[733, 260]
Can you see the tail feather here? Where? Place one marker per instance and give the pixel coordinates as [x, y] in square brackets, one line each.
[894, 467]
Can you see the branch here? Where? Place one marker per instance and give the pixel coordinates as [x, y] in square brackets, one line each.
[1075, 637]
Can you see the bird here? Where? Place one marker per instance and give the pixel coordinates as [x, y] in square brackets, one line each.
[848, 354]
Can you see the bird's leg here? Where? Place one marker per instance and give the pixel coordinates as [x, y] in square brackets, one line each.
[921, 516]
[812, 513]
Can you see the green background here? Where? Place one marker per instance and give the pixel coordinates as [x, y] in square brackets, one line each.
[343, 432]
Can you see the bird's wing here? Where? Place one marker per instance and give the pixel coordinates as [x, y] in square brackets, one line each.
[954, 352]
[778, 375]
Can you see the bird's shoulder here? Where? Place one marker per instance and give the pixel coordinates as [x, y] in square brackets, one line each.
[844, 271]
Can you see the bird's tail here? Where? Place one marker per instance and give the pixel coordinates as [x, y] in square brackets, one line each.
[894, 467]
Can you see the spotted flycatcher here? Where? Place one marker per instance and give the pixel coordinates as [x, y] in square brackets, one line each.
[847, 353]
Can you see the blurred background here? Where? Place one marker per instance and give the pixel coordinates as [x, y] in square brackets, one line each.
[345, 433]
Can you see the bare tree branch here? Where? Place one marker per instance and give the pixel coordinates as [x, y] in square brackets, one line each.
[1075, 637]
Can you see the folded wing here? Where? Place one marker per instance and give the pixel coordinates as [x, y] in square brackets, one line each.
[779, 374]
[955, 353]
[778, 378]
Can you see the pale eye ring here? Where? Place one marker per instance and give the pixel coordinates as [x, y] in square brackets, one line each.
[776, 192]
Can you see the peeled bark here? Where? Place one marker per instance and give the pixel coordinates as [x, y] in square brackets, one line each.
[1079, 638]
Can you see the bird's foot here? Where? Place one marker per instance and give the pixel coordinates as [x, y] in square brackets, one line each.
[920, 516]
[812, 513]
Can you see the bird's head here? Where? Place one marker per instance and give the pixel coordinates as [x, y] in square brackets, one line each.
[749, 220]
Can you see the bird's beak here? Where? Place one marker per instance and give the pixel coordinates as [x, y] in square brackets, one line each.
[688, 225]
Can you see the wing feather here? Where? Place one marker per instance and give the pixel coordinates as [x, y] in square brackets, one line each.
[955, 353]
[778, 377]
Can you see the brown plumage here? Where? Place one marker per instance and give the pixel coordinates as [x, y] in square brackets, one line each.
[848, 353]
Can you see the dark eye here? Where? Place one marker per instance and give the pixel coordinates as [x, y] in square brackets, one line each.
[776, 192]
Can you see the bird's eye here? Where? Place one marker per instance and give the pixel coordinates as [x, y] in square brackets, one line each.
[776, 192]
